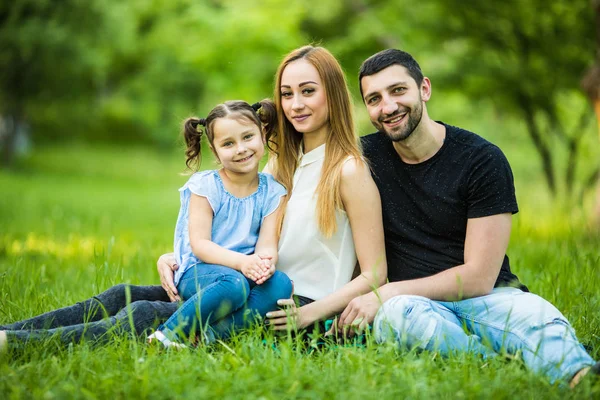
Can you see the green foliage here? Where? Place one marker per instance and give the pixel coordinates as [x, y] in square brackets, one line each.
[71, 230]
[131, 71]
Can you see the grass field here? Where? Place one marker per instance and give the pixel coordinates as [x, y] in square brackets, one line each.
[75, 220]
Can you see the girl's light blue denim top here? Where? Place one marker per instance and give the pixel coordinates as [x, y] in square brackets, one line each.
[236, 221]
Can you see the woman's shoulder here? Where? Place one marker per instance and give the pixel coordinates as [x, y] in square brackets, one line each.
[354, 167]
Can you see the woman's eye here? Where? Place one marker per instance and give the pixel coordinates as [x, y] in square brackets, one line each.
[286, 94]
[308, 90]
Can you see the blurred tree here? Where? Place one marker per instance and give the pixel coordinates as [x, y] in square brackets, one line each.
[591, 85]
[112, 70]
[49, 53]
[527, 57]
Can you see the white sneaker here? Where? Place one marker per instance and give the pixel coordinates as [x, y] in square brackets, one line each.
[158, 335]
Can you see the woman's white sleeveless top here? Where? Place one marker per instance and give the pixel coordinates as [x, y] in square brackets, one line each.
[318, 266]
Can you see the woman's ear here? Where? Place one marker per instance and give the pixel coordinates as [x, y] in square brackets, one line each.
[263, 129]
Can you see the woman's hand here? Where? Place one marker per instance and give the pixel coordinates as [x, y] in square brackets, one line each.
[289, 317]
[166, 266]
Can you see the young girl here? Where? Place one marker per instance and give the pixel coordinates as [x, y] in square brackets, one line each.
[226, 232]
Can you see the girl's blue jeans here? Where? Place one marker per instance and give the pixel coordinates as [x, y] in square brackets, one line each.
[220, 300]
[506, 321]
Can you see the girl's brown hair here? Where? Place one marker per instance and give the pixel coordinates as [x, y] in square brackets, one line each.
[341, 143]
[263, 114]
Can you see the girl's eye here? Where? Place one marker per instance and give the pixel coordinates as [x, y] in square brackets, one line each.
[249, 136]
[227, 144]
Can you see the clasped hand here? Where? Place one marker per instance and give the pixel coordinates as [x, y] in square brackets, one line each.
[257, 267]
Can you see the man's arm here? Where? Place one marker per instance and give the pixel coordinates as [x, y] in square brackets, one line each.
[166, 266]
[485, 247]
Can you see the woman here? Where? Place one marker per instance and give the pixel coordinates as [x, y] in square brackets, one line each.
[332, 218]
[333, 215]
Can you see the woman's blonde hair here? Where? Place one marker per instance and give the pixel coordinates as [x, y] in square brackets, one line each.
[341, 143]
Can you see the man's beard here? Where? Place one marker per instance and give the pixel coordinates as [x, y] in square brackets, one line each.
[403, 131]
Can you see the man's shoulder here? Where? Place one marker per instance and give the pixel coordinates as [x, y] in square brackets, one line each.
[466, 138]
[372, 138]
[471, 142]
[373, 145]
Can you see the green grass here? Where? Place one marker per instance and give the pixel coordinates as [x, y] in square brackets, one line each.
[76, 220]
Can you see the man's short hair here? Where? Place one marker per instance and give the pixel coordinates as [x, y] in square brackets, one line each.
[387, 58]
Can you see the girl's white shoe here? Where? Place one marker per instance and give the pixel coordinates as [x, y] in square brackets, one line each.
[158, 335]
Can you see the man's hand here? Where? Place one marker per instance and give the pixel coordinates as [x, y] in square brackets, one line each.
[359, 313]
[166, 266]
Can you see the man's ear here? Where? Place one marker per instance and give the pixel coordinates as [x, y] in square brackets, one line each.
[426, 89]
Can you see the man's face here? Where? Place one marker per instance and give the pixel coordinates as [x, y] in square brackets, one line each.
[394, 101]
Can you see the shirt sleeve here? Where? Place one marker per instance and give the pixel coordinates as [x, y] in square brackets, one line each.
[491, 188]
[205, 184]
[275, 192]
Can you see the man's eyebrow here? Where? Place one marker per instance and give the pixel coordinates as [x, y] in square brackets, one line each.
[393, 85]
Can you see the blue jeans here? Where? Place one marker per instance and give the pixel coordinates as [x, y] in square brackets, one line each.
[220, 300]
[507, 320]
[121, 310]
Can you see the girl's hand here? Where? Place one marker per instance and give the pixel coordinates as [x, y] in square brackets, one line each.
[268, 270]
[253, 267]
[289, 318]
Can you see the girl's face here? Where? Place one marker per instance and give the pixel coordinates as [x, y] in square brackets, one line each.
[303, 97]
[238, 144]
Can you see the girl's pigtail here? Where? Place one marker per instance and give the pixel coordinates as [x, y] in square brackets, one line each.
[267, 113]
[192, 133]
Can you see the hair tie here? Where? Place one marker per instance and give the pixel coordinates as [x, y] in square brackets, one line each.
[197, 122]
[256, 106]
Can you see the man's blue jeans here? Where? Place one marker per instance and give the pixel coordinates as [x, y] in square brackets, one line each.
[220, 300]
[507, 320]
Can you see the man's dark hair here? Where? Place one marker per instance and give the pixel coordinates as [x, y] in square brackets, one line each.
[387, 58]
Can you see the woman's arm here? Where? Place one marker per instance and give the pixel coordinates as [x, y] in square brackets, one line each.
[363, 207]
[200, 230]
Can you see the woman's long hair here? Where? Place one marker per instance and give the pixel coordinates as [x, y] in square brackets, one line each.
[342, 141]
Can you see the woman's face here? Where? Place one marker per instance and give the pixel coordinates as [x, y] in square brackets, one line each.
[303, 97]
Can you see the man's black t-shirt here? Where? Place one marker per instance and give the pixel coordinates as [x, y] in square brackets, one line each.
[426, 205]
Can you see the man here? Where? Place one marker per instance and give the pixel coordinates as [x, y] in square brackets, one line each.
[448, 198]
